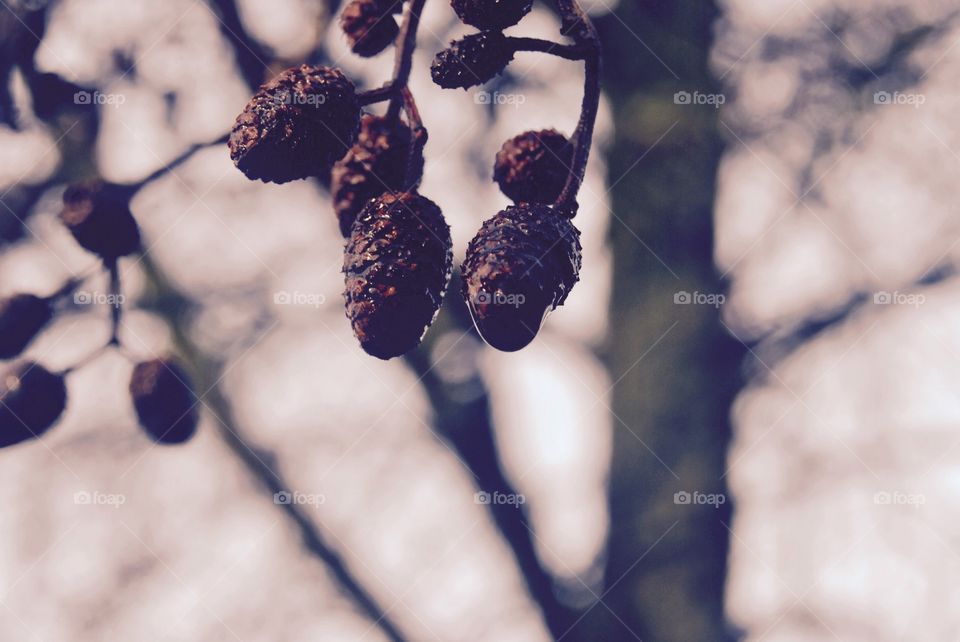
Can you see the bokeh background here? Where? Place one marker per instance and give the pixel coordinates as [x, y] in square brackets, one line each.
[740, 426]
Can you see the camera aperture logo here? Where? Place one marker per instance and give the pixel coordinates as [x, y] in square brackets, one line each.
[898, 498]
[499, 98]
[98, 98]
[696, 498]
[84, 297]
[96, 498]
[497, 498]
[299, 99]
[699, 98]
[897, 98]
[499, 298]
[699, 298]
[307, 299]
[899, 298]
[296, 498]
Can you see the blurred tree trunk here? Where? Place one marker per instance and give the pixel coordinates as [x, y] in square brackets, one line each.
[675, 368]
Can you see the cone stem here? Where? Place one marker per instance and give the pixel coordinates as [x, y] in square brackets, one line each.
[577, 26]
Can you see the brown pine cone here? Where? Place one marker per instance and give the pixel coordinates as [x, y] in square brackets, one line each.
[98, 215]
[164, 401]
[521, 265]
[296, 126]
[491, 14]
[397, 265]
[376, 163]
[472, 60]
[533, 166]
[22, 316]
[31, 400]
[369, 27]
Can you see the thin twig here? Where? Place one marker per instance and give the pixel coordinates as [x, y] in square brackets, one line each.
[578, 26]
[569, 52]
[403, 61]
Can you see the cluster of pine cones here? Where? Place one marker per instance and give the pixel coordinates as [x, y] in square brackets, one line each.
[308, 121]
[32, 398]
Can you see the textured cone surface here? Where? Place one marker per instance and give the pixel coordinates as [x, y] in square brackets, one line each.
[521, 265]
[376, 163]
[471, 61]
[491, 14]
[397, 265]
[296, 126]
[369, 29]
[31, 400]
[165, 404]
[22, 316]
[532, 167]
[98, 215]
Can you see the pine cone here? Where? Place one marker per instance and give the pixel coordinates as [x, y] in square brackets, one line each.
[22, 316]
[397, 265]
[491, 14]
[296, 126]
[472, 60]
[98, 215]
[164, 401]
[533, 167]
[369, 28]
[521, 265]
[31, 400]
[376, 163]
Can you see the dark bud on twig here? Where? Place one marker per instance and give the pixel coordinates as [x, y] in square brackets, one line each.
[369, 28]
[22, 316]
[521, 265]
[491, 14]
[165, 404]
[31, 400]
[471, 61]
[397, 265]
[534, 166]
[98, 215]
[296, 126]
[376, 163]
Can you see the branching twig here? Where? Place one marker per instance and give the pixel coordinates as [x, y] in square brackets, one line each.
[578, 26]
[209, 372]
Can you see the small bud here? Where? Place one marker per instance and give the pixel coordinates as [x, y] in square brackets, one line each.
[521, 265]
[491, 14]
[533, 167]
[98, 215]
[296, 126]
[472, 60]
[165, 404]
[376, 163]
[368, 27]
[22, 316]
[31, 400]
[397, 265]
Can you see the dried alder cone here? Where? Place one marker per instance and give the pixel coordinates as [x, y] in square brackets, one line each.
[533, 167]
[523, 262]
[296, 126]
[491, 14]
[397, 265]
[376, 163]
[22, 316]
[521, 265]
[31, 400]
[368, 25]
[472, 60]
[98, 215]
[164, 401]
